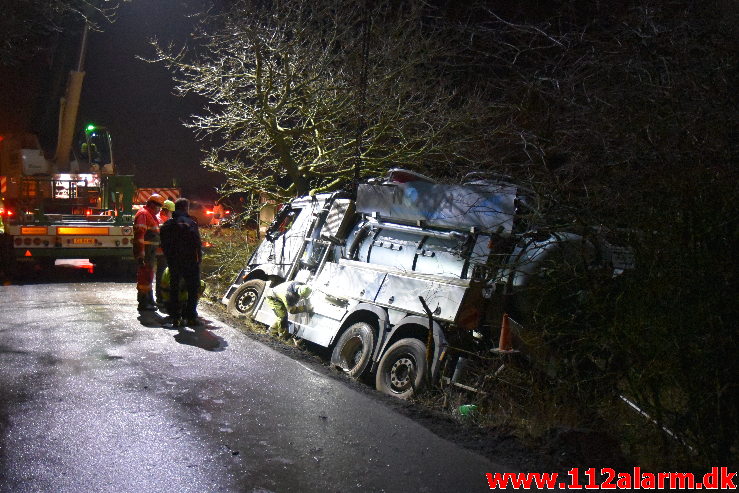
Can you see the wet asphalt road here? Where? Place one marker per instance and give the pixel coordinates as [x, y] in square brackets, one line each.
[94, 397]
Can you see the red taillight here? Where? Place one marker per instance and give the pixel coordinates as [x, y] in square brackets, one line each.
[88, 212]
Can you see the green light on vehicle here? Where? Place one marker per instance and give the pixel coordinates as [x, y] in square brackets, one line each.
[90, 128]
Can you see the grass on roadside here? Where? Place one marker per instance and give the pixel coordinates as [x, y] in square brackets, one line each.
[227, 251]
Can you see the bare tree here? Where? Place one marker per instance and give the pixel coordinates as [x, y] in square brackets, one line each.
[625, 117]
[302, 95]
[26, 24]
[590, 101]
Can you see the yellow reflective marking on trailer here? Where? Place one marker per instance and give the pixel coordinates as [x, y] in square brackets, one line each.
[34, 230]
[67, 230]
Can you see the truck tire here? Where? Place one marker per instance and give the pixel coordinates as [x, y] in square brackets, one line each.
[46, 263]
[104, 267]
[7, 258]
[244, 301]
[402, 369]
[8, 265]
[353, 350]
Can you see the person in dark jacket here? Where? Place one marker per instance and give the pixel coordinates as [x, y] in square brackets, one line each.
[181, 244]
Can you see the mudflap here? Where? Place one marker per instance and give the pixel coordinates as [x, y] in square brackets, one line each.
[7, 256]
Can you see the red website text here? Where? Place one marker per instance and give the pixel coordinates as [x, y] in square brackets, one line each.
[608, 479]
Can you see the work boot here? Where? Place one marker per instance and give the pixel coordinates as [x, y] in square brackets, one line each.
[144, 304]
[274, 329]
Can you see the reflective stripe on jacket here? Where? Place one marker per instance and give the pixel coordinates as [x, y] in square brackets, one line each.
[145, 234]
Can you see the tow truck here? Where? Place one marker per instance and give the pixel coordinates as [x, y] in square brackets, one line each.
[49, 216]
[70, 205]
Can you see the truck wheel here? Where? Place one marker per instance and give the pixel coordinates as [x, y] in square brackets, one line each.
[7, 259]
[104, 267]
[402, 369]
[46, 263]
[244, 301]
[353, 350]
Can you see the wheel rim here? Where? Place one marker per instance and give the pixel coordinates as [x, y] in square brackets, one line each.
[402, 373]
[352, 352]
[245, 303]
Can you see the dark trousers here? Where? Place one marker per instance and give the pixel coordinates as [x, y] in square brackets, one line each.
[191, 276]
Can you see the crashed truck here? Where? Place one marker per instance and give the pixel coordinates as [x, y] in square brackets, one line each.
[408, 276]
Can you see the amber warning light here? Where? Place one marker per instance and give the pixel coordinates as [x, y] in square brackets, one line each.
[33, 230]
[66, 230]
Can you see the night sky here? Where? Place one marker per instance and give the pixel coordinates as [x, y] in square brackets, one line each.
[135, 100]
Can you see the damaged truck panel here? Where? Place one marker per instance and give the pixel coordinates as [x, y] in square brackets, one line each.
[485, 206]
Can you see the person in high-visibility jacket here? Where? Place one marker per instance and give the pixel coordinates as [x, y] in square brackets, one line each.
[164, 215]
[167, 292]
[6, 248]
[145, 244]
[285, 299]
[2, 213]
